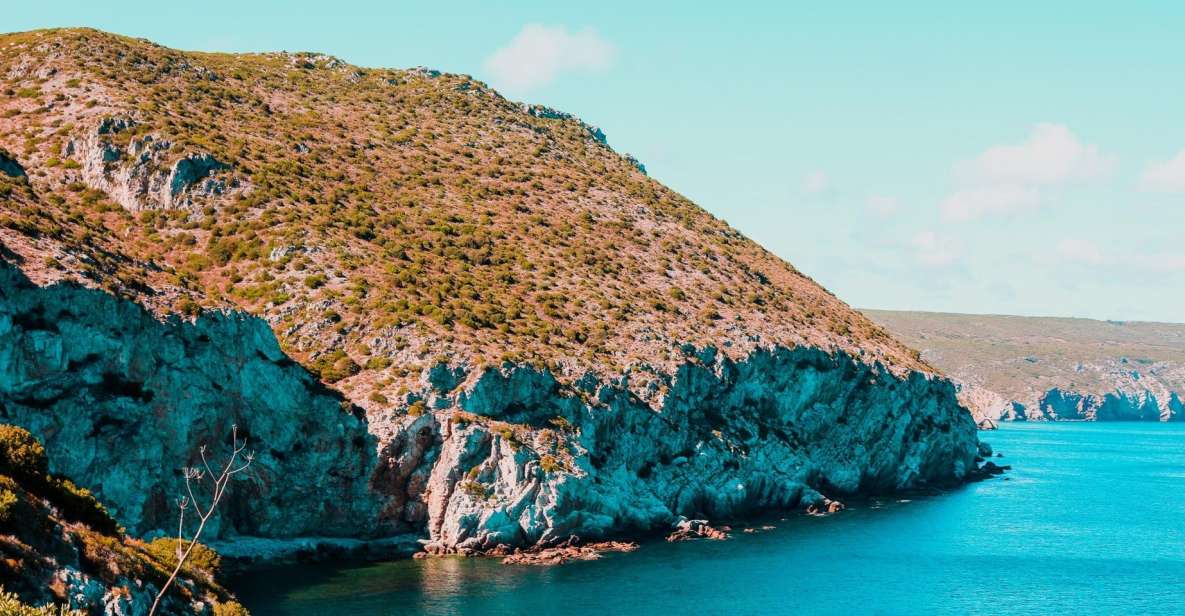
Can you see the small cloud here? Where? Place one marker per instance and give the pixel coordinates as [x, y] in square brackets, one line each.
[933, 249]
[882, 205]
[1008, 178]
[1051, 155]
[815, 182]
[1167, 176]
[975, 202]
[539, 54]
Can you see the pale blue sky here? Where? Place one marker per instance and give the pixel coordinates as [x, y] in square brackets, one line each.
[1008, 157]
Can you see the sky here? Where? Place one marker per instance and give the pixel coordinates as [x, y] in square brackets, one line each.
[1008, 157]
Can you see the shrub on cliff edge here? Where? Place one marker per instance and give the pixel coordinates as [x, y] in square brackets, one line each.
[23, 458]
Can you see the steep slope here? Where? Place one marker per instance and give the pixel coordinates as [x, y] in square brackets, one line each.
[1053, 368]
[59, 546]
[546, 342]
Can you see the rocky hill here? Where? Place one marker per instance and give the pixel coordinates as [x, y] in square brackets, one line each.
[1017, 368]
[435, 310]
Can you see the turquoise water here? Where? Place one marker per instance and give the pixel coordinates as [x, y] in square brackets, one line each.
[1090, 521]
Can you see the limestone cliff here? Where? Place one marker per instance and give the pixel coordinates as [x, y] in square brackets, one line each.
[123, 401]
[515, 458]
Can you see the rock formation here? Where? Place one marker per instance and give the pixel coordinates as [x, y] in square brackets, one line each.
[123, 401]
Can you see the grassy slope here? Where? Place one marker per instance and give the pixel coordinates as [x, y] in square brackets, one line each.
[423, 217]
[1014, 355]
[48, 526]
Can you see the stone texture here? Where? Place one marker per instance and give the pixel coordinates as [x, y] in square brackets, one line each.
[516, 459]
[139, 176]
[122, 401]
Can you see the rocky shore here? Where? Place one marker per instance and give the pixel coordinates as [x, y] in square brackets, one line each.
[509, 457]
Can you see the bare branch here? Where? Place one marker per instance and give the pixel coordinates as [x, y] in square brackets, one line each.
[219, 483]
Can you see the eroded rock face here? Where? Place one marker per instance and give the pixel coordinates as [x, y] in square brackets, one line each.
[497, 459]
[138, 175]
[1130, 401]
[123, 401]
[516, 459]
[1119, 405]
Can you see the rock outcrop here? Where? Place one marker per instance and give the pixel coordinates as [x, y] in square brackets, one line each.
[142, 174]
[9, 166]
[123, 401]
[515, 458]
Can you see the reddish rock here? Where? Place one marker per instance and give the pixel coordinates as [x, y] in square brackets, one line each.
[825, 507]
[567, 553]
[698, 529]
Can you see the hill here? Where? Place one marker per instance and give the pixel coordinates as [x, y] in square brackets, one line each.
[436, 310]
[377, 218]
[1052, 368]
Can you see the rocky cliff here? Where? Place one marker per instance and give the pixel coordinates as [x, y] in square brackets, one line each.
[123, 401]
[1031, 368]
[517, 337]
[516, 458]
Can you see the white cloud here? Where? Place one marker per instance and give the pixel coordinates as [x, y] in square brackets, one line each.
[815, 182]
[1009, 178]
[882, 205]
[975, 202]
[1167, 176]
[1051, 155]
[933, 249]
[538, 54]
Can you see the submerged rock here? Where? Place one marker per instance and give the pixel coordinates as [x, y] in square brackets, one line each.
[697, 529]
[568, 553]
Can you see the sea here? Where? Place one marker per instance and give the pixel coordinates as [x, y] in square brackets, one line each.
[1089, 520]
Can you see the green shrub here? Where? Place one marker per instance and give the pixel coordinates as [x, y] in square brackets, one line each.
[23, 458]
[474, 489]
[230, 608]
[377, 363]
[335, 366]
[11, 605]
[202, 559]
[21, 455]
[79, 505]
[8, 505]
